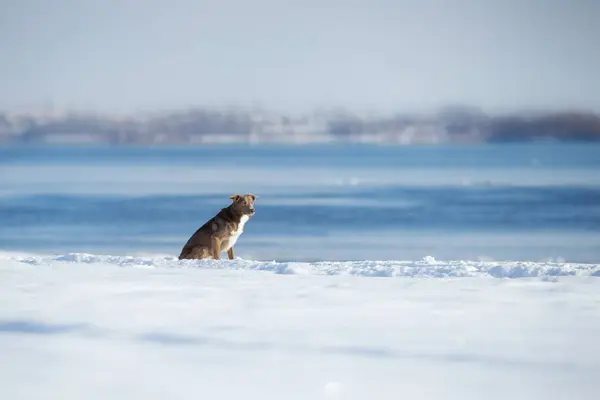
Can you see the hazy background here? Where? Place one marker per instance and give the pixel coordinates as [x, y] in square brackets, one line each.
[292, 55]
[495, 185]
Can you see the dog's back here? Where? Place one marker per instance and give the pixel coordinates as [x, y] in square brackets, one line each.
[198, 245]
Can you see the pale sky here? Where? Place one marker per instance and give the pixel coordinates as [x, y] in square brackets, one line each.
[110, 55]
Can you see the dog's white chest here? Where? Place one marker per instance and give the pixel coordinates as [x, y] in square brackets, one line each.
[236, 234]
[240, 228]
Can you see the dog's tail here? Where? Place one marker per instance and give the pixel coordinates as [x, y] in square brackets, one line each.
[184, 253]
[194, 253]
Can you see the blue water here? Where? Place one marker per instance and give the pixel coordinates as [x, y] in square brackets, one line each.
[527, 202]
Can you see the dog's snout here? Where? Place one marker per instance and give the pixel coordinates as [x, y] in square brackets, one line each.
[251, 208]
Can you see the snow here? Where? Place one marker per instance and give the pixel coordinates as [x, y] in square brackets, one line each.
[428, 266]
[94, 326]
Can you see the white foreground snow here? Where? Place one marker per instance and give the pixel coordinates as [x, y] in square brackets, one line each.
[81, 326]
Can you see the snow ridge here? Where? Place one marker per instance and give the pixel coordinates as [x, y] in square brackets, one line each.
[427, 267]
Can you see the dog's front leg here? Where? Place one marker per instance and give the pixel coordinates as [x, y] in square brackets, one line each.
[230, 253]
[216, 247]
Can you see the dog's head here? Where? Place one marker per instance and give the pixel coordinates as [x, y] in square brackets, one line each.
[244, 203]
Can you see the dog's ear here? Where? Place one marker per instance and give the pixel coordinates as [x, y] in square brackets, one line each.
[235, 197]
[254, 197]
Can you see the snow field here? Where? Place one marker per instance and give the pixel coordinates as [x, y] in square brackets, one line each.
[90, 326]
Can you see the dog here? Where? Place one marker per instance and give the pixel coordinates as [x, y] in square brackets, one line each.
[221, 232]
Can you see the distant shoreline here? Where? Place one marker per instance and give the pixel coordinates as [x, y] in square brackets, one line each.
[202, 127]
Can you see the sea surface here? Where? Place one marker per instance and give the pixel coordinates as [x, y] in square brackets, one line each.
[527, 202]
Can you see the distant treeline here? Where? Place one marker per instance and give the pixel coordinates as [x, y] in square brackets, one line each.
[563, 127]
[203, 126]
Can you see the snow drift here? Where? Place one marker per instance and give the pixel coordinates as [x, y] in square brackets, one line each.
[427, 267]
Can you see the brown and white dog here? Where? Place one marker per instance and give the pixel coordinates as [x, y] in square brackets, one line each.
[221, 232]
